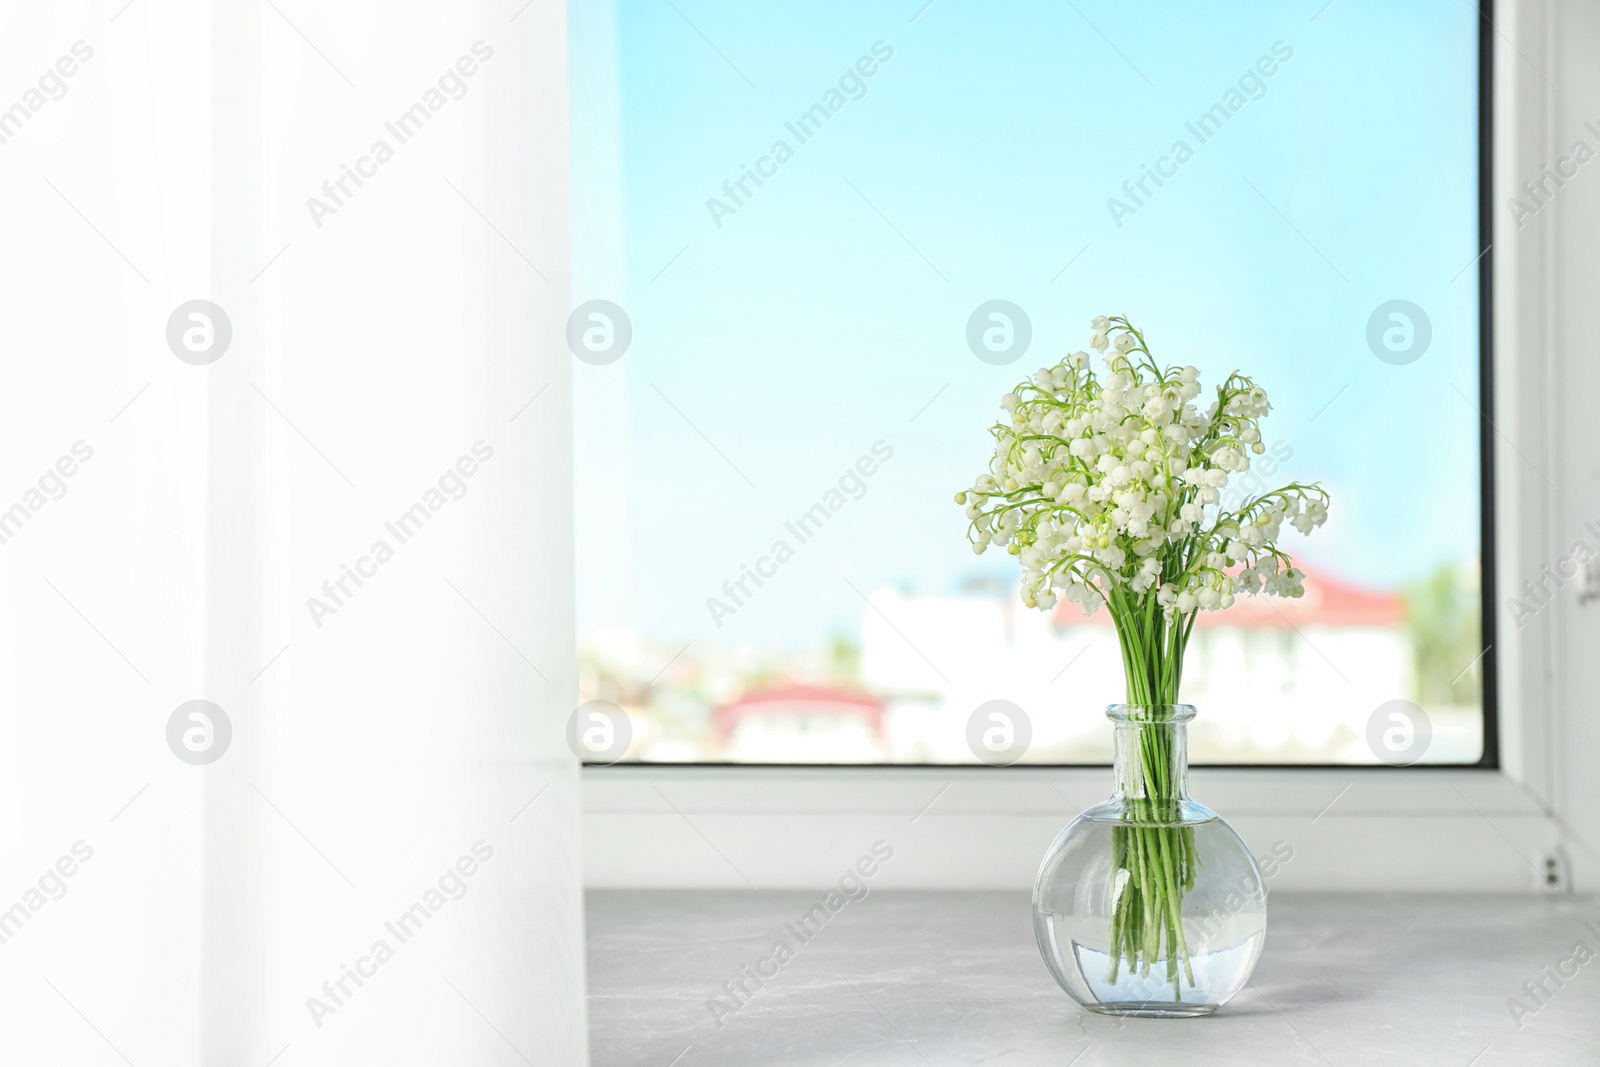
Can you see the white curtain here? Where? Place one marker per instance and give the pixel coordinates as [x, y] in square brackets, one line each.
[349, 531]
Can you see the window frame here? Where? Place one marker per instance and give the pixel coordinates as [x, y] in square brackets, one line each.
[1429, 827]
[1489, 756]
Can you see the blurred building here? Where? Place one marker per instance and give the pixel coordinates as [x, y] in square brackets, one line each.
[793, 723]
[1274, 680]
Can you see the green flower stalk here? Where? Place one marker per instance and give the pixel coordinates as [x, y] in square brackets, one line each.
[1110, 491]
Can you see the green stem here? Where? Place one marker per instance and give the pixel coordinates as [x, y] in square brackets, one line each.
[1153, 859]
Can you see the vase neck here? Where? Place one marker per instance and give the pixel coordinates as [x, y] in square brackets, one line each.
[1152, 751]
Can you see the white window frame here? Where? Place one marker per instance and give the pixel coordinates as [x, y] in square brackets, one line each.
[1351, 828]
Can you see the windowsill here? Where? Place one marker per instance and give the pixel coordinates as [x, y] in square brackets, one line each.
[956, 977]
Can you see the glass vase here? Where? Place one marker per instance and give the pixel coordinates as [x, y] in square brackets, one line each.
[1149, 904]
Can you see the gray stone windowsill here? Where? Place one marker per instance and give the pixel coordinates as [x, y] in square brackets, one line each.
[953, 978]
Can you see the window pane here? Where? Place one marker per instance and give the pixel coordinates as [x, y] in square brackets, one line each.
[799, 210]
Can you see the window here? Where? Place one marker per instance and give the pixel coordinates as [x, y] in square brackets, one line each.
[792, 216]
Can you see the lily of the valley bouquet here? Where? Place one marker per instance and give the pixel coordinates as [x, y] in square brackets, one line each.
[1109, 489]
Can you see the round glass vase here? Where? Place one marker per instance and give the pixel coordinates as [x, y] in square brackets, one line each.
[1149, 904]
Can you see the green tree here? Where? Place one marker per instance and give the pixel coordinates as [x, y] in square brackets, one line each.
[1444, 618]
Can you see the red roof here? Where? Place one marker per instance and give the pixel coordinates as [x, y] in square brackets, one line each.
[1328, 602]
[800, 699]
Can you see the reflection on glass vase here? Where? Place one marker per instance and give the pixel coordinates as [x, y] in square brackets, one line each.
[1149, 904]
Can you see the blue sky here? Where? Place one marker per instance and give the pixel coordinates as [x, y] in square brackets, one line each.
[772, 351]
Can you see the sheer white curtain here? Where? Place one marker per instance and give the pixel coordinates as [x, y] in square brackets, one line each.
[348, 531]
